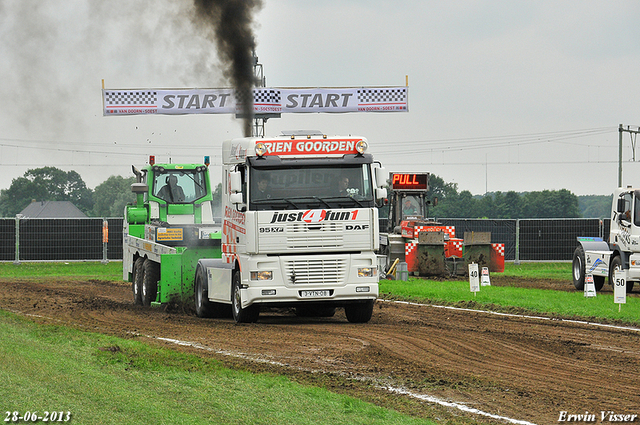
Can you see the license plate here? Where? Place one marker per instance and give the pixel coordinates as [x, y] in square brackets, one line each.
[314, 294]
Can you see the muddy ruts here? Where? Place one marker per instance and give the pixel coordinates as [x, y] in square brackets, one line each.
[229, 21]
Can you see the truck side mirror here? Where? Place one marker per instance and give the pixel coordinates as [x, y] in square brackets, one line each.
[381, 176]
[235, 178]
[621, 205]
[381, 181]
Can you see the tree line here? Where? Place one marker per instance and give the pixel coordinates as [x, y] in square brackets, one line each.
[52, 184]
[109, 198]
[512, 205]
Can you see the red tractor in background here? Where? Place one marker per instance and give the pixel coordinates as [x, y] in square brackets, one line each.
[430, 248]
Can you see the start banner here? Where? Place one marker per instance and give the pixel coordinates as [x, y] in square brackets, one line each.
[265, 100]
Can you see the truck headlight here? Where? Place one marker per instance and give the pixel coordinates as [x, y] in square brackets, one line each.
[266, 275]
[366, 271]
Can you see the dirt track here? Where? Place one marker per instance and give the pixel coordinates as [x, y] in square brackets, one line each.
[520, 368]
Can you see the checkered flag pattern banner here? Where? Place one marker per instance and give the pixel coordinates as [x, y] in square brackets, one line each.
[130, 98]
[393, 95]
[270, 96]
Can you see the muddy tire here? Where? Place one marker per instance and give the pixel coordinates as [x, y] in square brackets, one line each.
[204, 307]
[150, 277]
[136, 285]
[241, 315]
[359, 312]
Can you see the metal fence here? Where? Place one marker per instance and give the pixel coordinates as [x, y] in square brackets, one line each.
[552, 239]
[60, 239]
[48, 239]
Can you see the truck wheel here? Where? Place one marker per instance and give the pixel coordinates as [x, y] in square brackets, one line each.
[136, 285]
[359, 312]
[241, 315]
[204, 307]
[578, 268]
[151, 275]
[201, 296]
[616, 264]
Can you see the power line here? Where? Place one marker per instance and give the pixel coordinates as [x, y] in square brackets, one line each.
[496, 141]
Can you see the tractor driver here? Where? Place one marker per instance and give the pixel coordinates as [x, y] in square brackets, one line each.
[408, 208]
[171, 191]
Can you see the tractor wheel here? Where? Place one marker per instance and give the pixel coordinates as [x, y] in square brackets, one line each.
[578, 268]
[151, 275]
[241, 315]
[359, 312]
[136, 285]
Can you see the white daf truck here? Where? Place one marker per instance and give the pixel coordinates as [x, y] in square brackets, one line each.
[300, 228]
[601, 259]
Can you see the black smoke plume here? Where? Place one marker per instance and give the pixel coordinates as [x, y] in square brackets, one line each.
[229, 23]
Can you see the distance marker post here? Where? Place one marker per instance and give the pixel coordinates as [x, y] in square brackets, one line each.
[620, 288]
[474, 278]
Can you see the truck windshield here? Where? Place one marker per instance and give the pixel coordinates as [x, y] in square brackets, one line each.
[344, 186]
[180, 186]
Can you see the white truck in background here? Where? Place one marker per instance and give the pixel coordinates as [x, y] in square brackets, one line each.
[601, 259]
[300, 228]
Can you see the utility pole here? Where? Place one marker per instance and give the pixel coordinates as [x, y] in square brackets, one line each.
[633, 145]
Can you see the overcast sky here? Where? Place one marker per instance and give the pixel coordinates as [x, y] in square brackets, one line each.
[503, 95]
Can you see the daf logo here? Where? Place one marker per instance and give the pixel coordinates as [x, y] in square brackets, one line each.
[356, 227]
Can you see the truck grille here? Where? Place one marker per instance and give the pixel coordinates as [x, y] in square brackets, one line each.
[316, 271]
[315, 235]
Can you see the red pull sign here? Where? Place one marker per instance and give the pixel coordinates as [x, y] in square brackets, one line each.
[410, 181]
